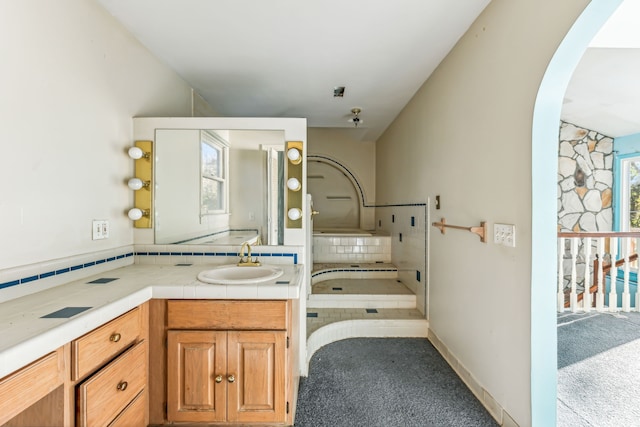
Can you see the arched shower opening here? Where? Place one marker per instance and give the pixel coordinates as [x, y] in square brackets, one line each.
[337, 195]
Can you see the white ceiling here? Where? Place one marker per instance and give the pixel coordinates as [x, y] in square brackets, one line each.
[604, 92]
[283, 58]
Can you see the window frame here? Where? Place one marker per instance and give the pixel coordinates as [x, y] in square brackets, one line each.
[621, 215]
[217, 143]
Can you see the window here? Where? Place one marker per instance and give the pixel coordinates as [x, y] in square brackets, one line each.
[630, 194]
[628, 211]
[213, 169]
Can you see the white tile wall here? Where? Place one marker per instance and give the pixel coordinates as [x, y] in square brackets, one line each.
[407, 226]
[362, 301]
[369, 249]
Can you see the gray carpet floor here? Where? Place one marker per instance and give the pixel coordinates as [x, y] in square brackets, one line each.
[386, 382]
[599, 370]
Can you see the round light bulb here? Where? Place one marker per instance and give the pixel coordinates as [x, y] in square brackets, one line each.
[293, 184]
[294, 155]
[294, 214]
[135, 184]
[136, 153]
[134, 214]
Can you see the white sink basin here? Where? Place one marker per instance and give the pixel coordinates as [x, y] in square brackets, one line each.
[234, 275]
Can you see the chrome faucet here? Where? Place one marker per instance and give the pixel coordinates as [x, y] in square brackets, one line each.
[248, 261]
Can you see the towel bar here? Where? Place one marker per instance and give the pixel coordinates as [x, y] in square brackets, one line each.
[480, 231]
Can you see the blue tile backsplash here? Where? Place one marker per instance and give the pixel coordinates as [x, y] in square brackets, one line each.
[63, 270]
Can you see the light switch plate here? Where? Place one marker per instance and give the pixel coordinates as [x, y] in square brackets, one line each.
[96, 230]
[100, 229]
[504, 234]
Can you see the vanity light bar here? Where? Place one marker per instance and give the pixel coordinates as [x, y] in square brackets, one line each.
[294, 184]
[142, 153]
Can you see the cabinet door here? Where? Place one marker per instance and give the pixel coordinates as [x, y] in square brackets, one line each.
[256, 360]
[196, 375]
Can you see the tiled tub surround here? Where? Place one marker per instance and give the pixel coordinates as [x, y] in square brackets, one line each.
[26, 336]
[335, 248]
[329, 271]
[320, 317]
[360, 314]
[585, 180]
[406, 224]
[359, 285]
[362, 293]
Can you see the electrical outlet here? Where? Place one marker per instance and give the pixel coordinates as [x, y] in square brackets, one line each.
[504, 234]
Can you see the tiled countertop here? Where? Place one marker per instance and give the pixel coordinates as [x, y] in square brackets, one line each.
[26, 336]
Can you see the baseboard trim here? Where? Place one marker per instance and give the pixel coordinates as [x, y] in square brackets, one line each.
[484, 397]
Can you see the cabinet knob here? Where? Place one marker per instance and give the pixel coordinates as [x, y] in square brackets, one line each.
[122, 386]
[115, 337]
[219, 379]
[231, 378]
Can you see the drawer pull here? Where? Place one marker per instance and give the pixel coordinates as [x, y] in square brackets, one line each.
[219, 379]
[115, 337]
[122, 386]
[231, 378]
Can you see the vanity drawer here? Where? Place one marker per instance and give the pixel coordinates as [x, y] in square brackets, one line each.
[102, 344]
[133, 415]
[105, 394]
[206, 314]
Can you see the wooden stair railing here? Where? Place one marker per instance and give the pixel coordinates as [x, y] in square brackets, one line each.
[594, 288]
[607, 242]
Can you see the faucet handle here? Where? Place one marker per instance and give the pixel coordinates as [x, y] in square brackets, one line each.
[240, 254]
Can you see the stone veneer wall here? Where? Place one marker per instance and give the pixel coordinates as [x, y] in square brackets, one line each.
[585, 180]
[585, 187]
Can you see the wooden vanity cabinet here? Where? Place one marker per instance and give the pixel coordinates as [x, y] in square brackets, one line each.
[98, 379]
[228, 361]
[109, 368]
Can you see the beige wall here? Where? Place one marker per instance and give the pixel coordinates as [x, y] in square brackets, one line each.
[466, 136]
[358, 156]
[72, 79]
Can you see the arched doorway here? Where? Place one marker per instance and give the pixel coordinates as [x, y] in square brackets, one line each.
[337, 194]
[334, 196]
[546, 121]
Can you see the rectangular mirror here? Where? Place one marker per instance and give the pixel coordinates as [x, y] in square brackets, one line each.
[219, 186]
